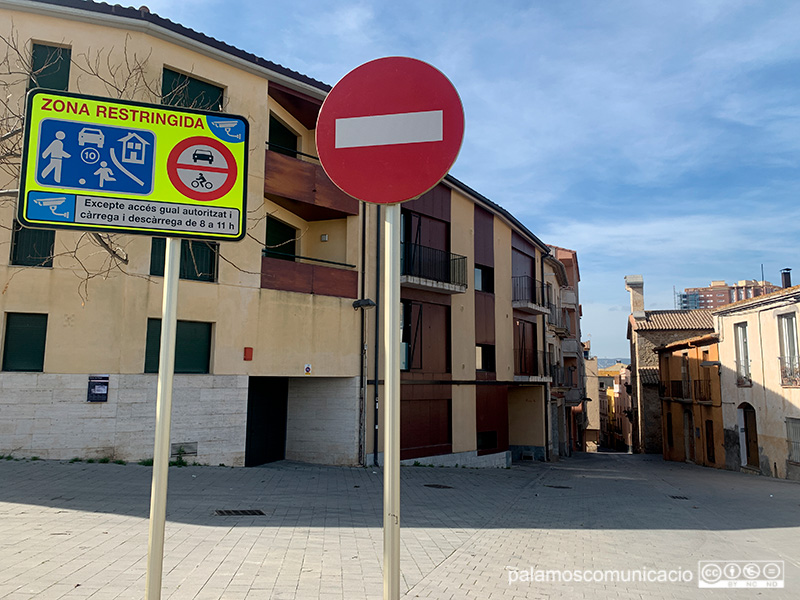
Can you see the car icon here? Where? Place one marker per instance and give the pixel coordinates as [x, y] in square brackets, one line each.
[201, 154]
[89, 135]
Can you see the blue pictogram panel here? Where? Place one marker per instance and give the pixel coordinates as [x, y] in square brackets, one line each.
[92, 157]
[49, 206]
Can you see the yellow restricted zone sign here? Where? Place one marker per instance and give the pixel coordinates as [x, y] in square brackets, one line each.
[96, 164]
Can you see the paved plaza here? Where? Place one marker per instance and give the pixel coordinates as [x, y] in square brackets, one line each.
[78, 530]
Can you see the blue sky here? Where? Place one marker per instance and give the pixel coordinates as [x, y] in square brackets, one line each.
[655, 138]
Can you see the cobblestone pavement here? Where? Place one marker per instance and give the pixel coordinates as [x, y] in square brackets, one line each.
[78, 530]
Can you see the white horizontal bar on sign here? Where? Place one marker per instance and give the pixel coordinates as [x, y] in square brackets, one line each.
[384, 130]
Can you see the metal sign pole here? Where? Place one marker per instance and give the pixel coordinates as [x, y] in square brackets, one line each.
[166, 369]
[391, 388]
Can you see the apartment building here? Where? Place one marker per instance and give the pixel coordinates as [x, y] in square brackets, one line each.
[760, 383]
[277, 346]
[691, 401]
[719, 293]
[565, 351]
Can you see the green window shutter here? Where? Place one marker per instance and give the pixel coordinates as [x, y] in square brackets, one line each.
[152, 345]
[281, 138]
[178, 89]
[24, 345]
[192, 347]
[281, 240]
[32, 247]
[50, 67]
[158, 247]
[198, 259]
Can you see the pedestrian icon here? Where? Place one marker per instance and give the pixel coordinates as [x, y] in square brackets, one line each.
[93, 157]
[55, 152]
[105, 173]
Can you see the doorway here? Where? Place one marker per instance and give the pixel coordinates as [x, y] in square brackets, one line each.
[267, 404]
[748, 435]
[688, 436]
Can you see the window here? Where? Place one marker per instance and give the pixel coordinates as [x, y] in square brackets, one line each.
[281, 138]
[31, 247]
[281, 240]
[23, 347]
[790, 363]
[192, 347]
[50, 67]
[484, 357]
[742, 356]
[425, 337]
[198, 259]
[793, 437]
[484, 279]
[178, 89]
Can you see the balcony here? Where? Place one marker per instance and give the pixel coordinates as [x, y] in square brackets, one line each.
[743, 378]
[677, 389]
[527, 295]
[790, 371]
[284, 272]
[530, 366]
[556, 320]
[702, 390]
[558, 376]
[303, 188]
[433, 270]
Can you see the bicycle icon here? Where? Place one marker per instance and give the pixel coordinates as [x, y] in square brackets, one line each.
[201, 181]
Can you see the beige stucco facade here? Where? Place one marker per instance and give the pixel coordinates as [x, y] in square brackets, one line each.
[271, 328]
[771, 390]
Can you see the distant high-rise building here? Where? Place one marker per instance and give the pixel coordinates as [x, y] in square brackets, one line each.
[720, 293]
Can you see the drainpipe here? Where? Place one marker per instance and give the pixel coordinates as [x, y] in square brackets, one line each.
[362, 401]
[377, 330]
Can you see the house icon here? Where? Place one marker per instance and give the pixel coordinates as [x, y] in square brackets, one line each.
[133, 149]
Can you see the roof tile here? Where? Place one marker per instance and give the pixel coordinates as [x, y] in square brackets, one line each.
[675, 319]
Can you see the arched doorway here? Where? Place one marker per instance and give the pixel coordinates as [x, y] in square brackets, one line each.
[748, 435]
[688, 436]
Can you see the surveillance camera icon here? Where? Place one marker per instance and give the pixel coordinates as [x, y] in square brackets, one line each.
[53, 204]
[227, 126]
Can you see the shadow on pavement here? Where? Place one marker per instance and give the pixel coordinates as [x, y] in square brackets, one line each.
[586, 491]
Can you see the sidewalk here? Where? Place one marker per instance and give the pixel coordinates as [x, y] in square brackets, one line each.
[77, 530]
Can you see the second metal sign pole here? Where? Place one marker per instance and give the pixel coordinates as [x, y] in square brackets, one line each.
[166, 370]
[391, 412]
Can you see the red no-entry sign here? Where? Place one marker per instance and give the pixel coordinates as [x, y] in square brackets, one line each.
[390, 130]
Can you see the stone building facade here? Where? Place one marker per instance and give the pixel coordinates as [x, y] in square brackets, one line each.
[648, 330]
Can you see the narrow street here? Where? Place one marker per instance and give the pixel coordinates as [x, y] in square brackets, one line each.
[80, 530]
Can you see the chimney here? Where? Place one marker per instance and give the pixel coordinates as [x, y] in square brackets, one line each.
[635, 285]
[786, 278]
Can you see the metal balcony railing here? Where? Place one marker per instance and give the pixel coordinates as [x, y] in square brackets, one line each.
[743, 373]
[558, 376]
[529, 362]
[676, 388]
[430, 263]
[527, 289]
[702, 390]
[790, 370]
